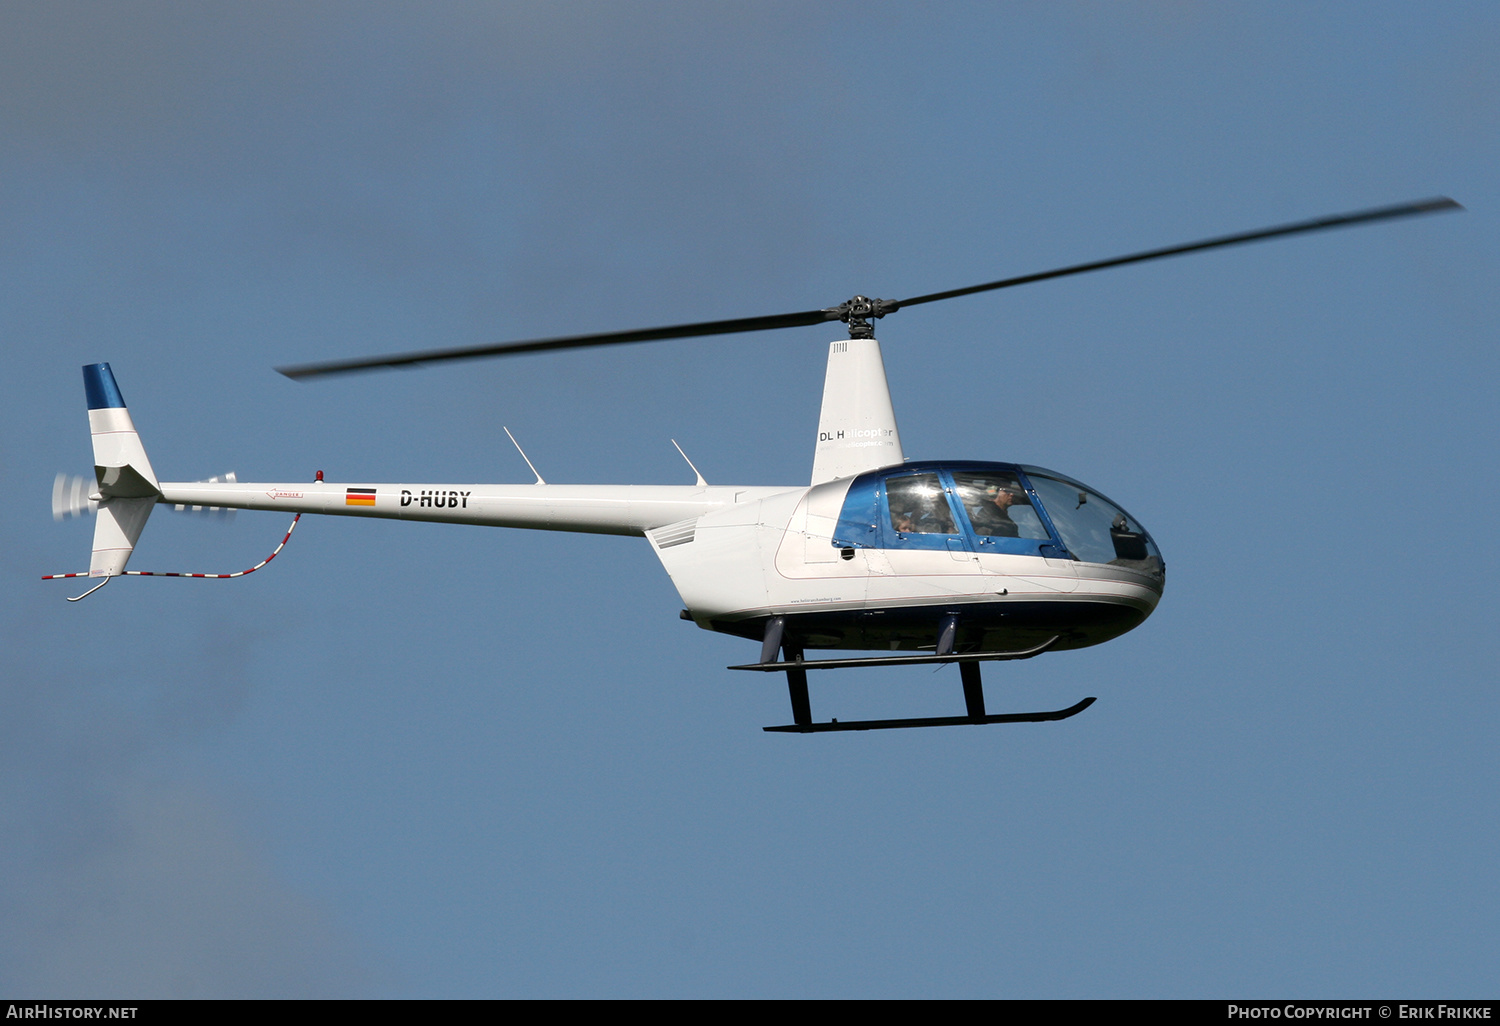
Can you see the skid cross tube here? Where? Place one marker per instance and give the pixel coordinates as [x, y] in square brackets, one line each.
[778, 638]
[770, 666]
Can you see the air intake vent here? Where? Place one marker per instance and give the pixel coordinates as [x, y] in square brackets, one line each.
[674, 534]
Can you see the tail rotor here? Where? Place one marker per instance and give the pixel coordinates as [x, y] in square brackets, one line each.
[73, 496]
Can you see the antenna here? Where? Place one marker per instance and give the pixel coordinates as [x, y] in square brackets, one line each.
[701, 483]
[523, 452]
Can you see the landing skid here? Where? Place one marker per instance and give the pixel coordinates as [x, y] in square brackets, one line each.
[934, 721]
[795, 667]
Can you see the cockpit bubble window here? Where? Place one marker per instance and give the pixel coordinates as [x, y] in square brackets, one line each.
[998, 506]
[995, 508]
[918, 506]
[1094, 529]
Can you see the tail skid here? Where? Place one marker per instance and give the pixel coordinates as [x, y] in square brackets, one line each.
[80, 598]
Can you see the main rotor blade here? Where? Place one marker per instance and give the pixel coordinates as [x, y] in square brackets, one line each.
[855, 311]
[607, 338]
[1429, 206]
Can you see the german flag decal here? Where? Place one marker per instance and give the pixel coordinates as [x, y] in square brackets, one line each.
[359, 497]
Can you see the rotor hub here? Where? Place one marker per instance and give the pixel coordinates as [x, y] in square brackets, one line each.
[859, 311]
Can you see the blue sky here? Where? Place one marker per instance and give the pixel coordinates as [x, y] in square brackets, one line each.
[418, 760]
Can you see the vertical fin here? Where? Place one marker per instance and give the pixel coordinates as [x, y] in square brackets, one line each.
[127, 486]
[116, 530]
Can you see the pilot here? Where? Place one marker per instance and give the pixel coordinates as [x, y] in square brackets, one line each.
[992, 515]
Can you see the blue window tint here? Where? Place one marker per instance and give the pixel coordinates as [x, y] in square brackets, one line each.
[917, 514]
[1000, 512]
[991, 507]
[918, 505]
[859, 520]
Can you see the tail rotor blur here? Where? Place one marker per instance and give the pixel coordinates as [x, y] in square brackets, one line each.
[217, 512]
[73, 496]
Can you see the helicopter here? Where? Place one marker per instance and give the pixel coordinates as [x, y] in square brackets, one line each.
[928, 562]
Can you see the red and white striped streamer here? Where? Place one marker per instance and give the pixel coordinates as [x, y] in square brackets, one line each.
[215, 577]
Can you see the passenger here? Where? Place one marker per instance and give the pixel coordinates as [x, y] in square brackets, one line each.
[918, 506]
[929, 519]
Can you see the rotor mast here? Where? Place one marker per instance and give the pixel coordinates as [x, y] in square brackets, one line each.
[857, 425]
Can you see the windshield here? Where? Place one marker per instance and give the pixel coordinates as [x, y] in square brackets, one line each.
[1094, 529]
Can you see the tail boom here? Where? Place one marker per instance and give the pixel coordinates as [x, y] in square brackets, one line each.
[590, 509]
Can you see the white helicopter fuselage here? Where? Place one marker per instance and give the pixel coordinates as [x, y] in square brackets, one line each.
[877, 553]
[741, 555]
